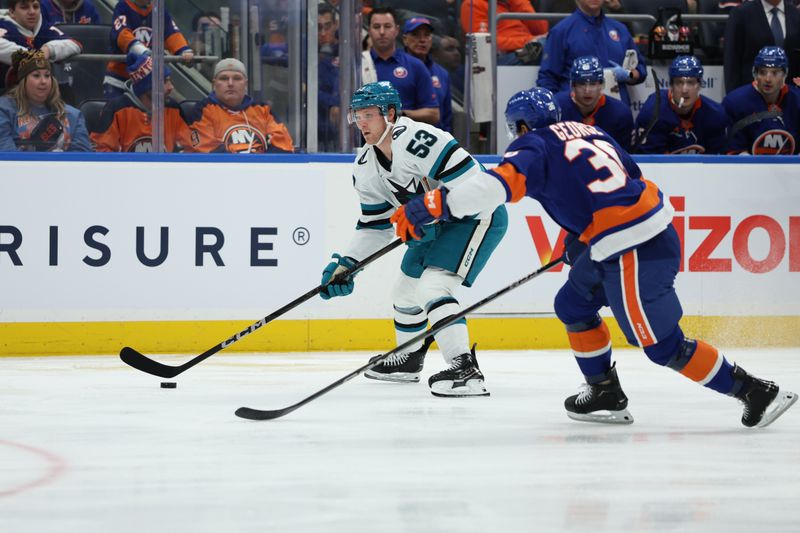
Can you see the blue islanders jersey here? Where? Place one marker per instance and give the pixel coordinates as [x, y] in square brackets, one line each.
[702, 131]
[777, 135]
[14, 37]
[588, 184]
[614, 117]
[135, 24]
[83, 13]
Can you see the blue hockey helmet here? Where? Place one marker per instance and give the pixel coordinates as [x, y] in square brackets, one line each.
[535, 108]
[585, 69]
[380, 93]
[772, 57]
[686, 67]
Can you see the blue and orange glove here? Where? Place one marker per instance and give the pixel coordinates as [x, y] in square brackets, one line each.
[335, 284]
[573, 248]
[420, 210]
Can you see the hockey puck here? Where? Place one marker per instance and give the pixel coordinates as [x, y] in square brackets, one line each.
[168, 385]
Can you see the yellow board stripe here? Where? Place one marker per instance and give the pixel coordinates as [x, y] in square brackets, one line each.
[73, 338]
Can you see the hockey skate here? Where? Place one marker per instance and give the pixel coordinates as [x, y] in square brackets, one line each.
[401, 367]
[763, 400]
[604, 403]
[463, 378]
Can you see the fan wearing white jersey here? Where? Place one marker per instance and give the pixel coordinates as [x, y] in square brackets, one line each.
[403, 159]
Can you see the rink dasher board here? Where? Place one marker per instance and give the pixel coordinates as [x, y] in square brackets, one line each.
[169, 252]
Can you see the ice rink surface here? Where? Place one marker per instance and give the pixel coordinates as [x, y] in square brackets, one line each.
[88, 445]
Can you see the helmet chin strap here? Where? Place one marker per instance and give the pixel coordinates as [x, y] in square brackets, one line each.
[389, 127]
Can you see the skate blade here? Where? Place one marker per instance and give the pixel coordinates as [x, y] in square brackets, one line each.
[445, 389]
[779, 405]
[604, 417]
[396, 377]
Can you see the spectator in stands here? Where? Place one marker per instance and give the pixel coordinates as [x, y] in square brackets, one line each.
[230, 121]
[766, 113]
[130, 32]
[202, 22]
[69, 12]
[406, 73]
[23, 28]
[33, 117]
[447, 52]
[586, 103]
[275, 49]
[588, 32]
[752, 26]
[204, 25]
[328, 110]
[126, 122]
[518, 41]
[687, 122]
[418, 41]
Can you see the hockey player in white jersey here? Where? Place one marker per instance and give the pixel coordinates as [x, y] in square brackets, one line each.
[400, 160]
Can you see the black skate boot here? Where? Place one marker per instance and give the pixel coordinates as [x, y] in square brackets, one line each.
[463, 378]
[763, 400]
[601, 402]
[401, 368]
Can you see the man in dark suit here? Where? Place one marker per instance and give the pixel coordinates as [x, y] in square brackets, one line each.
[756, 24]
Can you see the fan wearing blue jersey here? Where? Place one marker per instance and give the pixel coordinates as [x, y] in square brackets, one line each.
[586, 103]
[22, 27]
[403, 159]
[624, 253]
[688, 122]
[766, 113]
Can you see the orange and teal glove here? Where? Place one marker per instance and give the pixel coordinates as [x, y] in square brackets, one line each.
[419, 211]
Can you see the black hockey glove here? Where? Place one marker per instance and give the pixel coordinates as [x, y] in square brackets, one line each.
[573, 248]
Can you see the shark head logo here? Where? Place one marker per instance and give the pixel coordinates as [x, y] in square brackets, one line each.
[406, 193]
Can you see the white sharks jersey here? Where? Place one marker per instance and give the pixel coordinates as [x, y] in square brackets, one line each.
[423, 158]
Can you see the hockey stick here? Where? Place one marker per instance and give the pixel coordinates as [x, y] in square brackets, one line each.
[258, 414]
[141, 362]
[748, 120]
[656, 114]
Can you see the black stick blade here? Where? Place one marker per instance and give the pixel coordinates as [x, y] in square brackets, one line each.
[258, 414]
[138, 361]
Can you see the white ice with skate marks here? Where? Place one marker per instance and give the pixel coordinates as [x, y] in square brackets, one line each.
[385, 456]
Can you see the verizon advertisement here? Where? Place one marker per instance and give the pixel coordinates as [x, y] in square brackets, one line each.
[740, 229]
[98, 240]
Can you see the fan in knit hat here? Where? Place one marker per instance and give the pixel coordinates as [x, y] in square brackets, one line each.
[26, 61]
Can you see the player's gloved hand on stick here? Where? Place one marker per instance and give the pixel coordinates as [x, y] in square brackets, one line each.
[419, 211]
[620, 74]
[337, 285]
[573, 248]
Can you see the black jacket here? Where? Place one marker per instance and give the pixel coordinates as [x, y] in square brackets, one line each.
[747, 32]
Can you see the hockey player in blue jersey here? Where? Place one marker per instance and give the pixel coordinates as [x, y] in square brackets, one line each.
[765, 115]
[586, 103]
[688, 122]
[402, 159]
[623, 249]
